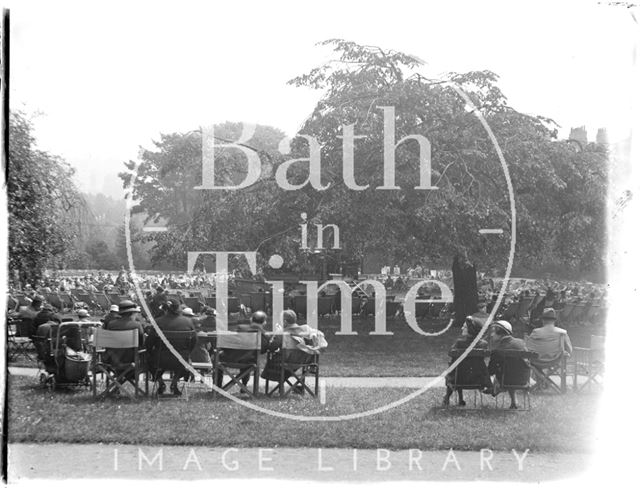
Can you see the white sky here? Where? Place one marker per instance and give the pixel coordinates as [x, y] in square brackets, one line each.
[108, 77]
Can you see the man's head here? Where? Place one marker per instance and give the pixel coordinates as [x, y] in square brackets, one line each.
[127, 308]
[37, 301]
[172, 305]
[114, 309]
[549, 316]
[82, 313]
[259, 318]
[187, 312]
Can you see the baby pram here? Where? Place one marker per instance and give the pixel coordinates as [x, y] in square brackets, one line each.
[61, 359]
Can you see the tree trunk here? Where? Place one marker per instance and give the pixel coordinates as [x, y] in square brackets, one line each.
[465, 289]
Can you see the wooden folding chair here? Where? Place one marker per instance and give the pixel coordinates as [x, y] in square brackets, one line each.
[542, 370]
[102, 301]
[258, 301]
[589, 363]
[193, 303]
[515, 375]
[162, 359]
[230, 347]
[19, 339]
[300, 305]
[462, 370]
[116, 378]
[294, 368]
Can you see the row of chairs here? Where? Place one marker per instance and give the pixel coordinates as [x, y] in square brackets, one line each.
[293, 373]
[586, 363]
[570, 314]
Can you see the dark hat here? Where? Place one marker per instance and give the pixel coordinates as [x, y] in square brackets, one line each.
[173, 305]
[474, 325]
[37, 299]
[549, 314]
[127, 306]
[210, 311]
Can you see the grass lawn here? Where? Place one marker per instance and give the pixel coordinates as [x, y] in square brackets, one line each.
[405, 353]
[555, 423]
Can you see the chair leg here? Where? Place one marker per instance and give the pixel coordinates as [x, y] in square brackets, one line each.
[255, 380]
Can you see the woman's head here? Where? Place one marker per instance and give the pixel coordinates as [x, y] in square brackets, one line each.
[472, 326]
[289, 317]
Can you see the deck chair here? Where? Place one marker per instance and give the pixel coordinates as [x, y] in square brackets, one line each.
[230, 348]
[515, 376]
[551, 361]
[194, 304]
[66, 301]
[511, 311]
[523, 308]
[300, 305]
[325, 306]
[576, 313]
[12, 304]
[565, 313]
[19, 339]
[298, 365]
[161, 359]
[589, 363]
[211, 302]
[102, 301]
[258, 301]
[117, 377]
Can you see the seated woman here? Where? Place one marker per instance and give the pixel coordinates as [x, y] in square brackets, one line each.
[472, 370]
[161, 359]
[238, 356]
[271, 370]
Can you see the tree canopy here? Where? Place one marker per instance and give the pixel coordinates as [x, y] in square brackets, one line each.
[43, 204]
[559, 190]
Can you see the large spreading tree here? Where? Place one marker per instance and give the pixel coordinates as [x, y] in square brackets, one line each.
[559, 189]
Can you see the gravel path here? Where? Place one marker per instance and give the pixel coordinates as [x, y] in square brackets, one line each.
[73, 461]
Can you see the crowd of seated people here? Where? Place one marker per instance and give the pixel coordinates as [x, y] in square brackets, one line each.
[171, 316]
[548, 342]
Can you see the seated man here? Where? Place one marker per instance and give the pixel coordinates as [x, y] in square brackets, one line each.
[208, 324]
[508, 371]
[257, 323]
[549, 341]
[162, 359]
[472, 370]
[120, 359]
[271, 370]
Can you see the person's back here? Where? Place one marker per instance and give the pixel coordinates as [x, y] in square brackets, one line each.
[549, 341]
[160, 357]
[120, 358]
[512, 370]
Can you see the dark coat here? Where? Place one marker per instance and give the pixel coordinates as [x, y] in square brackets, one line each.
[509, 371]
[473, 369]
[122, 358]
[160, 358]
